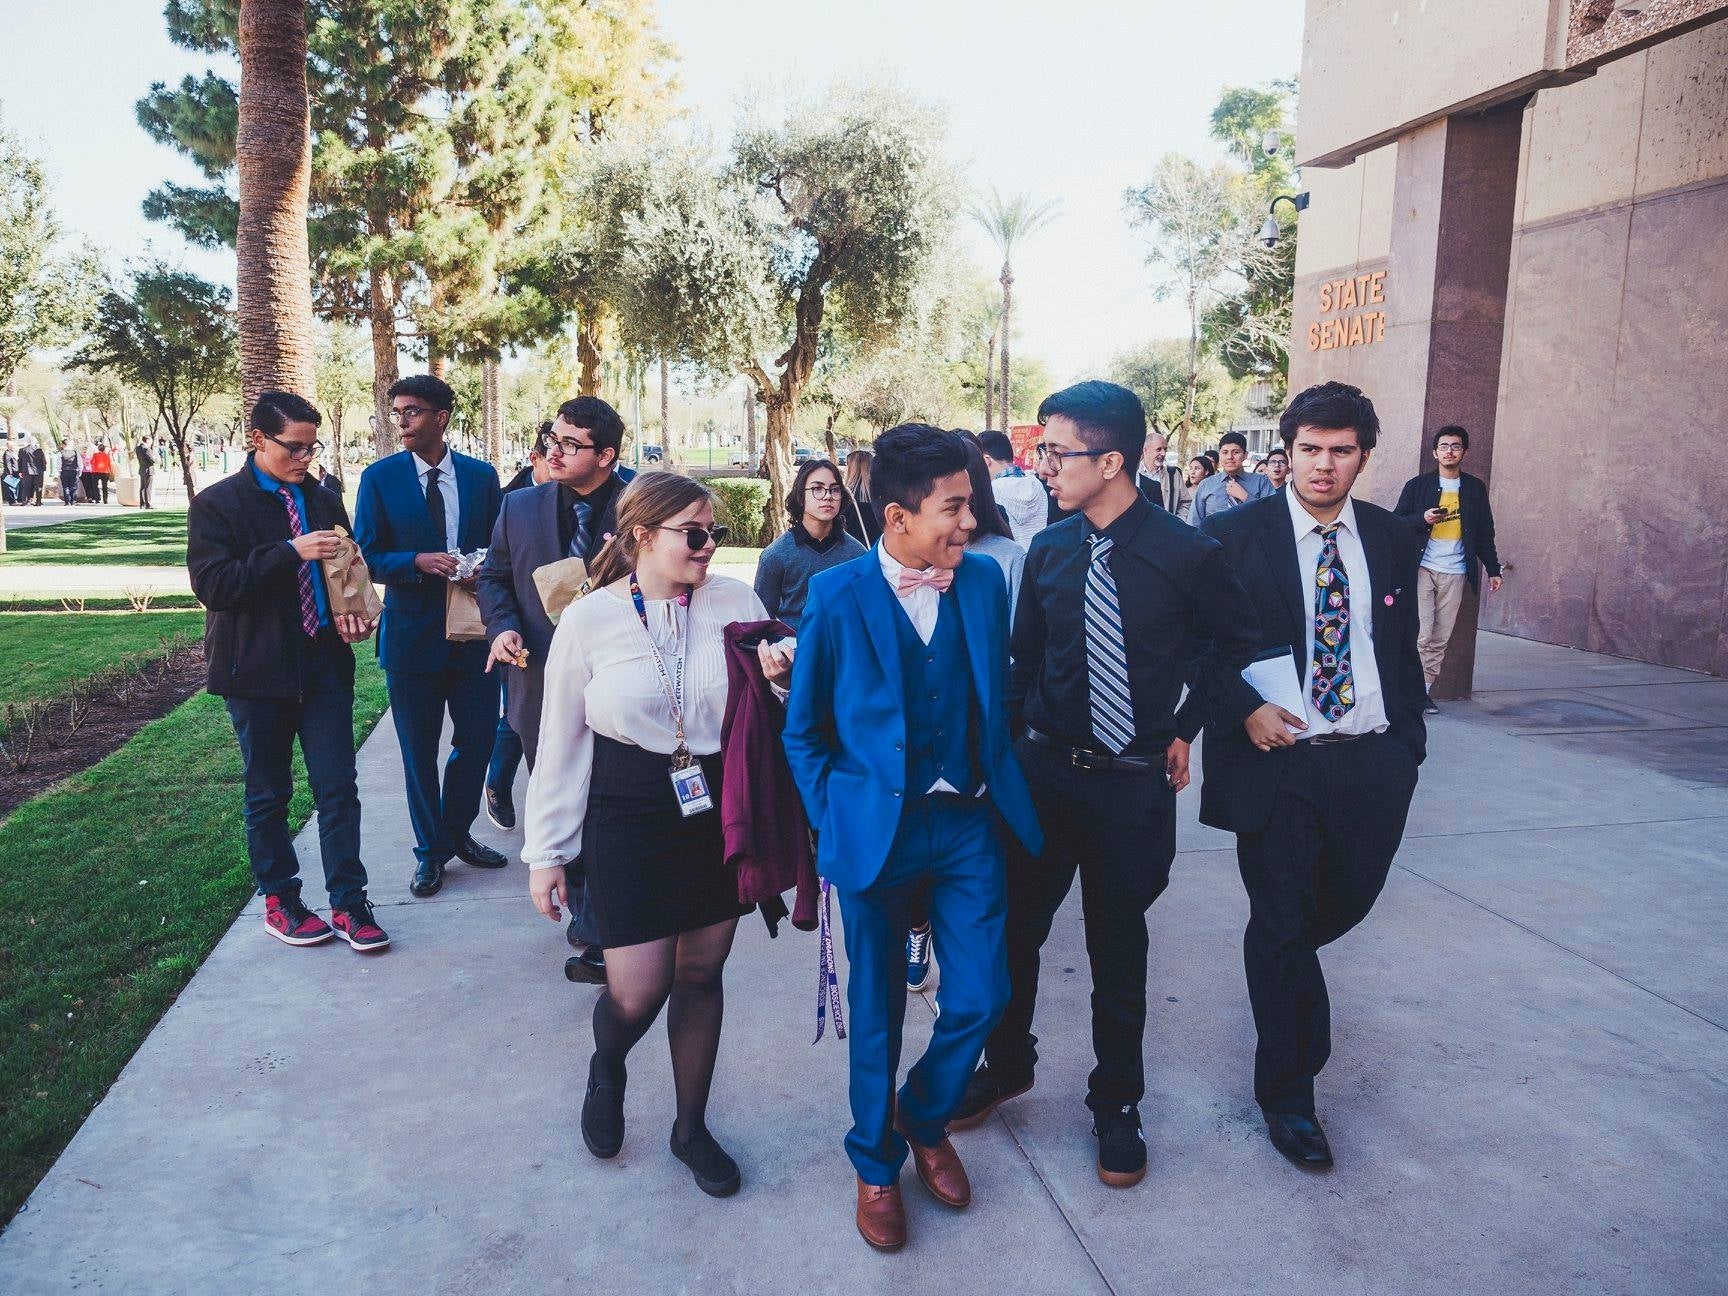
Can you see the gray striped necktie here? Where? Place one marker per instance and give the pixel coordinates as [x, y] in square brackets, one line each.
[1106, 659]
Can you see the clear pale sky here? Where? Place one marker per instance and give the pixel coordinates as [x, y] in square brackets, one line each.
[1072, 100]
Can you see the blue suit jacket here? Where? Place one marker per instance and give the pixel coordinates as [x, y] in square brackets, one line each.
[846, 719]
[391, 525]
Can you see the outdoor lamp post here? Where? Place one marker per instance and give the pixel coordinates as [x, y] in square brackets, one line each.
[1269, 231]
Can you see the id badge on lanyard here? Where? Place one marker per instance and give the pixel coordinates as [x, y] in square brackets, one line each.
[689, 782]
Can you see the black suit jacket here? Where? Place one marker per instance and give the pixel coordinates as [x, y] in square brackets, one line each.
[1260, 543]
[247, 577]
[526, 538]
[1422, 493]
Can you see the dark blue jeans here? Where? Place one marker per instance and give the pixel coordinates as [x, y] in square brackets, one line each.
[506, 751]
[417, 704]
[322, 718]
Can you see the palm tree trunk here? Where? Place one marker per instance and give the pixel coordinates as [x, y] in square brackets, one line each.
[666, 413]
[273, 154]
[491, 412]
[990, 383]
[382, 302]
[750, 428]
[1007, 392]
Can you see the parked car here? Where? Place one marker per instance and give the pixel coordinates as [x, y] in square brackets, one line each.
[802, 453]
[652, 454]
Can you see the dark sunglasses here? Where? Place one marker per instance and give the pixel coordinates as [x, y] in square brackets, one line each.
[697, 538]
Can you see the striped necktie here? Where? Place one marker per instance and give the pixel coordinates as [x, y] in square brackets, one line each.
[1106, 658]
[308, 601]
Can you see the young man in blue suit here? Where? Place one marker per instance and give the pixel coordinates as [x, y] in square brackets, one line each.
[897, 734]
[415, 509]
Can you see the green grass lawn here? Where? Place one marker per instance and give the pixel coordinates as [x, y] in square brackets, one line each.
[40, 652]
[156, 538]
[114, 886]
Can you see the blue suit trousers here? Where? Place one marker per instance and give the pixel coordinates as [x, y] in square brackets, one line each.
[945, 853]
[417, 704]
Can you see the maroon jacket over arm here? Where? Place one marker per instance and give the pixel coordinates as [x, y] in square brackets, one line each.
[767, 836]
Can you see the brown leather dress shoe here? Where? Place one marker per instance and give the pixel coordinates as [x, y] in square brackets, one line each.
[881, 1216]
[940, 1169]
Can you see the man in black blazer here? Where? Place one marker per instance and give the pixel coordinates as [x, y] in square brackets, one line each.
[570, 516]
[282, 661]
[1317, 792]
[1452, 508]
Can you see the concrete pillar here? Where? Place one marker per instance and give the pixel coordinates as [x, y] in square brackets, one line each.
[1451, 250]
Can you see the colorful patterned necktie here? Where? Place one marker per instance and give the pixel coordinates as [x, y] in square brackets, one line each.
[1106, 658]
[308, 604]
[1333, 689]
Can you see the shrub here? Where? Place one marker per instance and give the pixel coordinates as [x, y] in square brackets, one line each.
[740, 503]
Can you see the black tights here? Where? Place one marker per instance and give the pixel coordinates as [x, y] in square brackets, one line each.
[685, 970]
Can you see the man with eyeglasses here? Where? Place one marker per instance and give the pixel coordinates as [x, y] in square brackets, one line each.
[570, 516]
[414, 513]
[1120, 606]
[283, 664]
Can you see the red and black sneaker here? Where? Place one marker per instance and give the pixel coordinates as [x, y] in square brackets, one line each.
[358, 928]
[291, 922]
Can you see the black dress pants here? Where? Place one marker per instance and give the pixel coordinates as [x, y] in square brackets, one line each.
[1116, 829]
[1312, 874]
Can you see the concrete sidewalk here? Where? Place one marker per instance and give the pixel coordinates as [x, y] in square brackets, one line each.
[1526, 1092]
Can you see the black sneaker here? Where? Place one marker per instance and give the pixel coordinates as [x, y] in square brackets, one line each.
[715, 1173]
[1428, 705]
[985, 1092]
[603, 1116]
[501, 807]
[1121, 1146]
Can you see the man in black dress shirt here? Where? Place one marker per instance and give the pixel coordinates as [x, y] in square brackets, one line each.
[1317, 795]
[1120, 605]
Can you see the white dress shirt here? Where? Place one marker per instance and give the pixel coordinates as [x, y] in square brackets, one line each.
[601, 679]
[922, 606]
[1369, 713]
[446, 487]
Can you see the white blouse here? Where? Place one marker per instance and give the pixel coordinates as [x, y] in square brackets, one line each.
[601, 678]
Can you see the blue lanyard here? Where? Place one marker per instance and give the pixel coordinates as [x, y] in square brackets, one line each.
[671, 684]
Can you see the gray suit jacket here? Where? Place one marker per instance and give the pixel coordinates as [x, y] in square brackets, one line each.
[524, 540]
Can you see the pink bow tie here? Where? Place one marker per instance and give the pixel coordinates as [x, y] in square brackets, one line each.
[937, 578]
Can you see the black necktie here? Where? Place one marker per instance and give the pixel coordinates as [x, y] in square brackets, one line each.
[435, 506]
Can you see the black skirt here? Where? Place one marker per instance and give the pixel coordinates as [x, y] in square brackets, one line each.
[652, 872]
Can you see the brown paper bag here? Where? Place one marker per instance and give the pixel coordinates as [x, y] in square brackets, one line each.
[462, 621]
[560, 584]
[349, 584]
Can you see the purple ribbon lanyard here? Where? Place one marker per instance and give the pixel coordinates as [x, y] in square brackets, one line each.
[827, 979]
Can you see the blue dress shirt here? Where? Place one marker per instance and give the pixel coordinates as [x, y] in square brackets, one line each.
[271, 486]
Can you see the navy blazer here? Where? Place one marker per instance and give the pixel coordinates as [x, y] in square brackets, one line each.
[846, 719]
[524, 540]
[391, 526]
[1240, 779]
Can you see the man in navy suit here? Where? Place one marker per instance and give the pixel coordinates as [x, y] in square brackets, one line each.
[897, 735]
[415, 510]
[1316, 795]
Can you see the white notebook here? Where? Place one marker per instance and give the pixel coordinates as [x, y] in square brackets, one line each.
[1278, 680]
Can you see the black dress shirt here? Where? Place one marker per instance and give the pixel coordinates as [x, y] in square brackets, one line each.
[1185, 620]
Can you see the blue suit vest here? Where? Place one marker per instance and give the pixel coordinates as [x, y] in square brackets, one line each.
[937, 678]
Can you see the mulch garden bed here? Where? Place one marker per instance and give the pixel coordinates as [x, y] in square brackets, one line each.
[70, 734]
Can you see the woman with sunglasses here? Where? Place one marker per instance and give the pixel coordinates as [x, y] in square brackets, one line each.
[629, 778]
[815, 543]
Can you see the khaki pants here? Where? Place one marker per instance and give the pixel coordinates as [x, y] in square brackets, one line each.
[1438, 598]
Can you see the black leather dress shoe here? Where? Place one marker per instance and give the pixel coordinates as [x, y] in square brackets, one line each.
[428, 879]
[472, 852]
[1300, 1139]
[586, 968]
[501, 807]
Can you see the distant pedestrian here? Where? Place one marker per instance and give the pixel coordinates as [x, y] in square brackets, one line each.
[32, 472]
[1277, 468]
[9, 472]
[1159, 481]
[1199, 469]
[1232, 484]
[146, 473]
[1018, 493]
[815, 542]
[101, 470]
[283, 663]
[70, 464]
[1453, 506]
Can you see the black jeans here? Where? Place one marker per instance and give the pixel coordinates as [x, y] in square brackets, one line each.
[322, 717]
[1312, 874]
[1117, 830]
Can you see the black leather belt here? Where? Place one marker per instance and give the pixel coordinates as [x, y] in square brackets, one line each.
[1087, 759]
[1322, 739]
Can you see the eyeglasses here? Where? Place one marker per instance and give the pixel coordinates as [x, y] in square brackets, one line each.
[1055, 457]
[406, 413]
[564, 445]
[823, 492]
[296, 449]
[697, 537]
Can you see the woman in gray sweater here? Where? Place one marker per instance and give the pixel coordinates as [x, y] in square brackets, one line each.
[815, 543]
